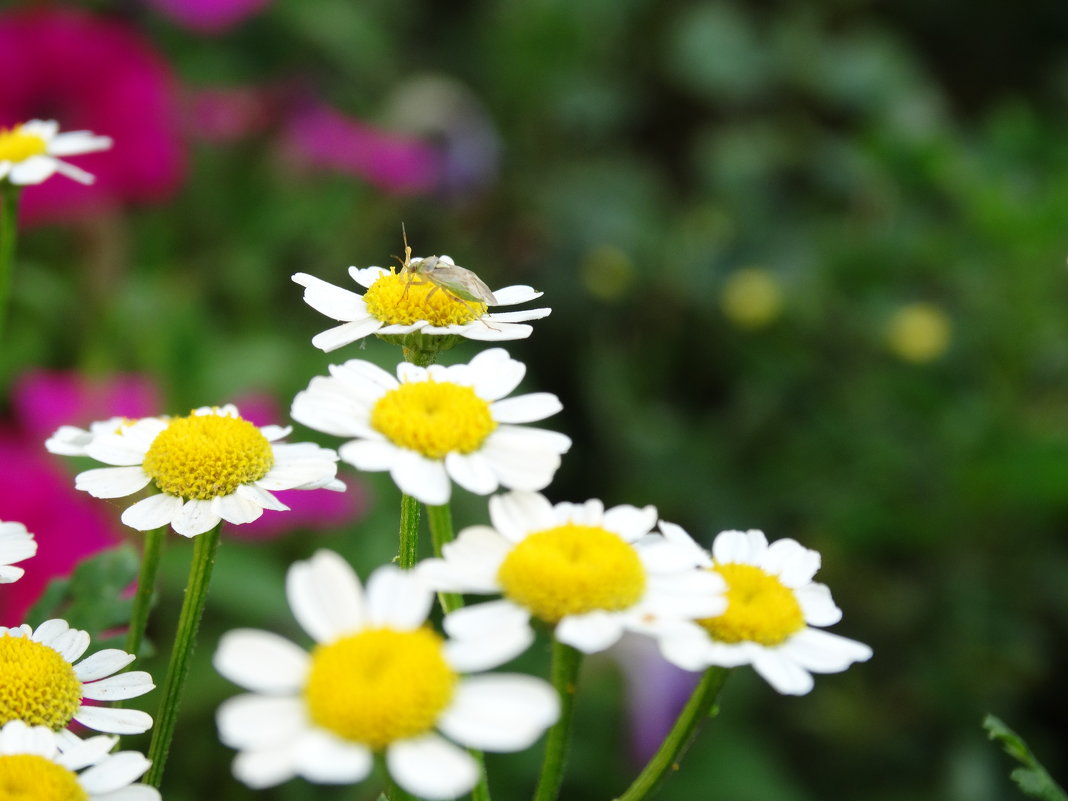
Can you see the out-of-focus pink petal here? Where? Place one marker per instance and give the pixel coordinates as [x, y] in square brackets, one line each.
[228, 114]
[44, 400]
[90, 72]
[323, 137]
[209, 16]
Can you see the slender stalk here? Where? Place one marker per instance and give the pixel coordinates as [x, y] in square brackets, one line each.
[146, 586]
[196, 592]
[408, 552]
[9, 225]
[682, 735]
[563, 672]
[441, 533]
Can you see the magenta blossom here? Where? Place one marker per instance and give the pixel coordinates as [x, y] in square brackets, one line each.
[96, 74]
[322, 137]
[209, 16]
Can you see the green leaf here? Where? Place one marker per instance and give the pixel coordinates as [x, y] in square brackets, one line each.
[1032, 779]
[93, 597]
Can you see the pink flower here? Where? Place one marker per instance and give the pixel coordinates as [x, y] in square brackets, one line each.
[36, 489]
[209, 16]
[228, 114]
[91, 73]
[323, 137]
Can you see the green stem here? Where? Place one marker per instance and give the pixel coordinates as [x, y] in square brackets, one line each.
[146, 586]
[196, 592]
[408, 553]
[699, 708]
[9, 225]
[563, 672]
[441, 533]
[440, 519]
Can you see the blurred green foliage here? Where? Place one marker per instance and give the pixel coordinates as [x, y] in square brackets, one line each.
[866, 156]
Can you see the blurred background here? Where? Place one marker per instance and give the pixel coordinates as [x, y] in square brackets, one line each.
[806, 262]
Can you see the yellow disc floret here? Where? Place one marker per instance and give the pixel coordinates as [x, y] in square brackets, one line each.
[380, 685]
[760, 608]
[433, 418]
[29, 777]
[570, 570]
[402, 299]
[17, 146]
[37, 685]
[206, 456]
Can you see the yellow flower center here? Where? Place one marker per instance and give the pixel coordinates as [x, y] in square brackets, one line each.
[207, 456]
[570, 570]
[760, 608]
[400, 299]
[380, 685]
[433, 418]
[29, 777]
[18, 146]
[37, 685]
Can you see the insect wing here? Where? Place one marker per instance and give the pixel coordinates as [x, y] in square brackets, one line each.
[461, 282]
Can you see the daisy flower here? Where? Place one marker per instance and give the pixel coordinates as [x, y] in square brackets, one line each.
[35, 763]
[29, 152]
[16, 544]
[772, 604]
[378, 682]
[393, 306]
[208, 466]
[41, 684]
[590, 572]
[432, 424]
[72, 441]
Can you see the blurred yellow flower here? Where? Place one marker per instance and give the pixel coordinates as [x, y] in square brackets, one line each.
[919, 332]
[752, 297]
[608, 273]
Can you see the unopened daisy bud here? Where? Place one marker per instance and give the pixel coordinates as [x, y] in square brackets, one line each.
[43, 683]
[16, 544]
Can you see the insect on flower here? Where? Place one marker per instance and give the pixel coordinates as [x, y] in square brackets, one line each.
[458, 283]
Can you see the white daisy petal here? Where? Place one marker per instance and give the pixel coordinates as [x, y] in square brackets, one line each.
[102, 663]
[630, 522]
[485, 620]
[266, 767]
[236, 509]
[116, 688]
[590, 632]
[257, 722]
[782, 672]
[496, 374]
[816, 604]
[500, 712]
[195, 517]
[114, 772]
[333, 301]
[345, 334]
[112, 482]
[325, 596]
[397, 599]
[794, 564]
[261, 661]
[515, 514]
[526, 408]
[470, 562]
[824, 652]
[486, 652]
[431, 768]
[152, 512]
[326, 759]
[114, 721]
[424, 479]
[733, 547]
[472, 472]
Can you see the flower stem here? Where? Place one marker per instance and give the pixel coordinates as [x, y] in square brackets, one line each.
[682, 735]
[9, 224]
[408, 553]
[563, 671]
[146, 585]
[441, 533]
[196, 592]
